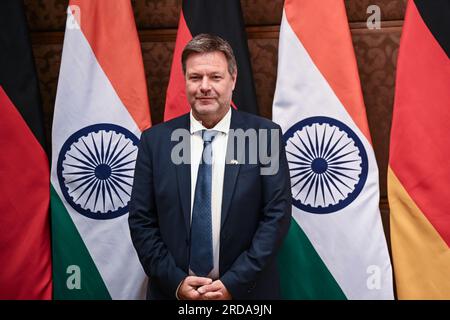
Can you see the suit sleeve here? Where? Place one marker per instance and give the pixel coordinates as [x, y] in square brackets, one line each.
[156, 260]
[272, 228]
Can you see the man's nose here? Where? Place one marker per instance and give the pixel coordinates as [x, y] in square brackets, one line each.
[205, 85]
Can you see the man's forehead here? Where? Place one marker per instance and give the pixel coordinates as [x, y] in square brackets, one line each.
[215, 58]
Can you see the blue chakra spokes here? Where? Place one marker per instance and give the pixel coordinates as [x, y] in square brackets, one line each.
[327, 163]
[96, 168]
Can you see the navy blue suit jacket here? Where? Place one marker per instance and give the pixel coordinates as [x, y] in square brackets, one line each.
[256, 213]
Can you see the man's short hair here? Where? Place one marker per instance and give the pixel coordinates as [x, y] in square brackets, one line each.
[206, 43]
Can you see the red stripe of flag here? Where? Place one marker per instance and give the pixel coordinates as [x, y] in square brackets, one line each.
[24, 203]
[420, 148]
[176, 101]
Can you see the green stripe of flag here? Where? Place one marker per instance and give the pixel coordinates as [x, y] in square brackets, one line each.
[69, 250]
[303, 273]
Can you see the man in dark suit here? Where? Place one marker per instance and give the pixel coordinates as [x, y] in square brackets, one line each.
[207, 225]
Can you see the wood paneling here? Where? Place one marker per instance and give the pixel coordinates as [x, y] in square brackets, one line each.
[49, 15]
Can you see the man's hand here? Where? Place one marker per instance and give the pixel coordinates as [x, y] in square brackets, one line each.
[188, 288]
[214, 291]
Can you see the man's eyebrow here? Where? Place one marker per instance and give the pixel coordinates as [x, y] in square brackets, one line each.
[195, 73]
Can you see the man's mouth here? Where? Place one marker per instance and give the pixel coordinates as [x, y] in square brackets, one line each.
[205, 98]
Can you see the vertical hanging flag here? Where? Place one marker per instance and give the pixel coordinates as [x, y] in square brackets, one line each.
[224, 19]
[25, 253]
[336, 248]
[101, 109]
[419, 168]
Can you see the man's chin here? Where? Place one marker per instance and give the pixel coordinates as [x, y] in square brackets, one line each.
[206, 110]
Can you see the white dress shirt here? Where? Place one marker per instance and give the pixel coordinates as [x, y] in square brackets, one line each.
[219, 148]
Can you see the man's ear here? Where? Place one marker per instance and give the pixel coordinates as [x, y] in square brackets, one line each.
[234, 76]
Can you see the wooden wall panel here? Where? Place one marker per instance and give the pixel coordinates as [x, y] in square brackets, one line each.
[376, 54]
[48, 59]
[390, 9]
[49, 15]
[46, 15]
[156, 14]
[264, 59]
[157, 61]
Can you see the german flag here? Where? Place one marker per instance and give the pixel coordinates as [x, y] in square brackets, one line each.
[224, 19]
[419, 167]
[24, 170]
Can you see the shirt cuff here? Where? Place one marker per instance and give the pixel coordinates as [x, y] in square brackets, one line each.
[178, 288]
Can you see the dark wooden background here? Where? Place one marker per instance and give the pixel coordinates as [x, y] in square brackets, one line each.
[376, 53]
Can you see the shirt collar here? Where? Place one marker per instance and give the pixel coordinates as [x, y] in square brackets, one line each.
[222, 126]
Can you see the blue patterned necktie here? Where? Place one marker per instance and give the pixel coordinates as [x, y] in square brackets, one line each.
[201, 255]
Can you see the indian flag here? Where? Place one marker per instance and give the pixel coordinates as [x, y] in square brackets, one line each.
[101, 109]
[336, 247]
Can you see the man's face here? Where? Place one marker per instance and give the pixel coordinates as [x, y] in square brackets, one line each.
[209, 85]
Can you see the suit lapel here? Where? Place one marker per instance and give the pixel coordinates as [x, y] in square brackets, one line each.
[231, 169]
[184, 181]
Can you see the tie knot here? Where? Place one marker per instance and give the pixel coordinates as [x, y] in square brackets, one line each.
[209, 135]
